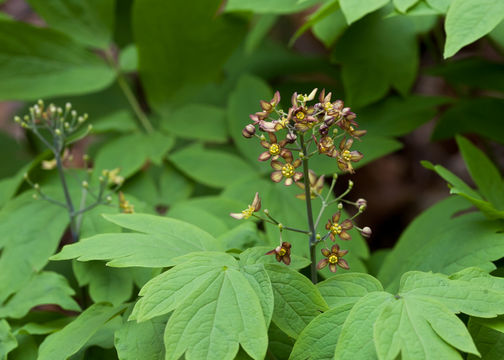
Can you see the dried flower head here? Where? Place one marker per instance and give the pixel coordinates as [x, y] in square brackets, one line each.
[250, 210]
[125, 205]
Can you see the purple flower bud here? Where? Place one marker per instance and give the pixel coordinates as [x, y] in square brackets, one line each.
[249, 131]
[329, 120]
[361, 202]
[350, 116]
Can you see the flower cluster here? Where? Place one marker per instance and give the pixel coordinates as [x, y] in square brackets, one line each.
[328, 122]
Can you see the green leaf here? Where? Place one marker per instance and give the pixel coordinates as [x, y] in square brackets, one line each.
[259, 31]
[159, 30]
[497, 34]
[460, 119]
[66, 342]
[440, 5]
[167, 291]
[404, 5]
[496, 323]
[135, 341]
[105, 284]
[227, 313]
[470, 240]
[159, 240]
[330, 28]
[8, 341]
[39, 63]
[88, 21]
[467, 21]
[33, 241]
[121, 121]
[206, 166]
[128, 58]
[484, 173]
[356, 9]
[243, 236]
[297, 300]
[138, 147]
[46, 288]
[258, 278]
[343, 289]
[356, 336]
[197, 121]
[474, 72]
[489, 342]
[318, 339]
[202, 218]
[244, 100]
[269, 7]
[369, 78]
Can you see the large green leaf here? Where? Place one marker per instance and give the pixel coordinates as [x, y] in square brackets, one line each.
[460, 119]
[88, 21]
[421, 323]
[484, 173]
[368, 78]
[404, 5]
[66, 342]
[32, 241]
[158, 241]
[209, 290]
[106, 284]
[177, 51]
[269, 7]
[357, 330]
[343, 289]
[46, 288]
[197, 121]
[489, 342]
[130, 152]
[467, 21]
[297, 300]
[356, 9]
[40, 62]
[214, 168]
[435, 241]
[144, 340]
[8, 341]
[320, 338]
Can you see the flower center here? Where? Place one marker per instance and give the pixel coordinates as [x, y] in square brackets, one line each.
[336, 229]
[327, 106]
[347, 155]
[288, 170]
[274, 149]
[248, 212]
[282, 252]
[333, 259]
[300, 115]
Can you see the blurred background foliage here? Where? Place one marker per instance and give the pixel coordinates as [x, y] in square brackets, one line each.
[169, 85]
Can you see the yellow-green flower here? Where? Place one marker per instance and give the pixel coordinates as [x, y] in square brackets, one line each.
[250, 210]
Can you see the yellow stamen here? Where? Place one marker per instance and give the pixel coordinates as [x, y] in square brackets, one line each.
[347, 155]
[333, 259]
[300, 115]
[248, 212]
[274, 149]
[336, 229]
[327, 106]
[282, 252]
[288, 170]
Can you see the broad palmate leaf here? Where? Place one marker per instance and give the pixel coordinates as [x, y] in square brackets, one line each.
[216, 307]
[158, 240]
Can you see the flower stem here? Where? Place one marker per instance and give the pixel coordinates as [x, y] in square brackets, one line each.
[309, 213]
[68, 199]
[128, 93]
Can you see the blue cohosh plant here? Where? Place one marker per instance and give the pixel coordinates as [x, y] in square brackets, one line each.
[57, 128]
[326, 128]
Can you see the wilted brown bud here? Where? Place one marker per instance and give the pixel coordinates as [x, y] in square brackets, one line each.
[366, 232]
[249, 131]
[291, 137]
